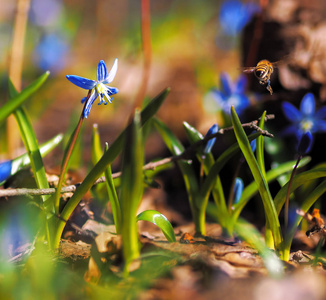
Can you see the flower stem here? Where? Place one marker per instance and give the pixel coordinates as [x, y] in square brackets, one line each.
[66, 158]
[286, 207]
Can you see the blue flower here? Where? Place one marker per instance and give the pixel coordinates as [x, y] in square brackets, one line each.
[237, 191]
[211, 142]
[231, 93]
[46, 12]
[305, 119]
[100, 89]
[50, 53]
[234, 15]
[5, 170]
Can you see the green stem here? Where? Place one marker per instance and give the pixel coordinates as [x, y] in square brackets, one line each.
[286, 207]
[200, 220]
[66, 158]
[313, 197]
[115, 204]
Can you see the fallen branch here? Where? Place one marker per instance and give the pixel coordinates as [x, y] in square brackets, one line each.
[150, 166]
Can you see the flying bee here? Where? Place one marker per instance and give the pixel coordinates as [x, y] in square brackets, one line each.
[263, 72]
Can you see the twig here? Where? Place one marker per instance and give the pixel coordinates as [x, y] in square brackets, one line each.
[187, 154]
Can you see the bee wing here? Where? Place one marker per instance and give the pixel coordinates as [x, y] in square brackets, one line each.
[285, 60]
[248, 69]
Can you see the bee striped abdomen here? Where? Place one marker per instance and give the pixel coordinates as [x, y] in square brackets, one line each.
[263, 70]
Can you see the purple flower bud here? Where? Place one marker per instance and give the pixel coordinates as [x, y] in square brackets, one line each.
[211, 142]
[5, 170]
[238, 188]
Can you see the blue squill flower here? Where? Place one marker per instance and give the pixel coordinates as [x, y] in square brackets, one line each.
[5, 170]
[234, 15]
[11, 167]
[231, 94]
[209, 145]
[100, 89]
[51, 52]
[305, 119]
[46, 12]
[237, 191]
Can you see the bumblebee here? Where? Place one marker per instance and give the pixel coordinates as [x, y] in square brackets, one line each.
[263, 72]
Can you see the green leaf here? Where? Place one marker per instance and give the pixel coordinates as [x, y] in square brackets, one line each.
[113, 197]
[111, 194]
[271, 175]
[208, 161]
[306, 205]
[260, 147]
[219, 164]
[161, 221]
[188, 173]
[298, 180]
[131, 190]
[29, 138]
[23, 161]
[17, 99]
[270, 210]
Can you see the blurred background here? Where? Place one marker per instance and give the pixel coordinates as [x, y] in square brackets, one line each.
[70, 37]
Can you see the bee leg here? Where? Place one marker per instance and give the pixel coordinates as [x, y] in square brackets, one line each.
[269, 88]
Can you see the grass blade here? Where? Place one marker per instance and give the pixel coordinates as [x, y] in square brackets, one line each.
[23, 161]
[17, 99]
[131, 190]
[270, 210]
[208, 161]
[271, 175]
[260, 147]
[189, 176]
[298, 180]
[161, 221]
[111, 194]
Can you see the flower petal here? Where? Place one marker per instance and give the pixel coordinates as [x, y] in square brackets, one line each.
[241, 84]
[320, 126]
[292, 129]
[101, 71]
[253, 144]
[232, 17]
[210, 143]
[109, 78]
[226, 84]
[89, 103]
[219, 99]
[237, 191]
[321, 113]
[291, 112]
[112, 90]
[5, 170]
[243, 102]
[81, 82]
[307, 106]
[305, 143]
